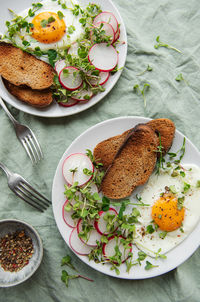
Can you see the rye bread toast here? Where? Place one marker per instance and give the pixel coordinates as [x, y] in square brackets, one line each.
[106, 150]
[166, 128]
[36, 98]
[133, 163]
[21, 68]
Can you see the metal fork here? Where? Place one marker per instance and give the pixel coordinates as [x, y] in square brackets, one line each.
[25, 191]
[25, 136]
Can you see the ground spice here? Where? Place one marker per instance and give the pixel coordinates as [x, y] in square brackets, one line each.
[16, 249]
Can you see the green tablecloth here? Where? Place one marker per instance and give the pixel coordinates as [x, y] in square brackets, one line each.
[178, 23]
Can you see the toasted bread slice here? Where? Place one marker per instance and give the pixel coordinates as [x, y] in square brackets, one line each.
[106, 150]
[36, 98]
[166, 128]
[133, 163]
[21, 68]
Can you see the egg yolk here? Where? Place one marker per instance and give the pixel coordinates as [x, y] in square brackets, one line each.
[48, 27]
[166, 214]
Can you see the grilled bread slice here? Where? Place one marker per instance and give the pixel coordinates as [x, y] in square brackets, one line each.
[36, 98]
[133, 163]
[106, 150]
[166, 128]
[21, 68]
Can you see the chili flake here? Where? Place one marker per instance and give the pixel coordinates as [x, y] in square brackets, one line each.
[15, 251]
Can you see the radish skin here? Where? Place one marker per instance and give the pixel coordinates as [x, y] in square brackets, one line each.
[107, 17]
[100, 223]
[109, 248]
[77, 245]
[67, 216]
[93, 236]
[77, 162]
[70, 103]
[70, 82]
[103, 57]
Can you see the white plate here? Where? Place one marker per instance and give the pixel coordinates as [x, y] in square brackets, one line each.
[54, 110]
[88, 140]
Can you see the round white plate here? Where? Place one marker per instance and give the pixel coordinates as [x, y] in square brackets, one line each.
[54, 110]
[88, 140]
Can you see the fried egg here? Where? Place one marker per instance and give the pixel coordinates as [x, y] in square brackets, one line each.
[53, 27]
[172, 214]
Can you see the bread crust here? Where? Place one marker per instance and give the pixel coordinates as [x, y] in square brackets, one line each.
[36, 98]
[21, 68]
[133, 163]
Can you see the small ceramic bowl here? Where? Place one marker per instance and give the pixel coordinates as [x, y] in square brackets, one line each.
[8, 279]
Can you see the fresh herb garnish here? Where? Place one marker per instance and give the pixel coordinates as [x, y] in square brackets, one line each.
[161, 44]
[149, 266]
[137, 88]
[180, 78]
[149, 68]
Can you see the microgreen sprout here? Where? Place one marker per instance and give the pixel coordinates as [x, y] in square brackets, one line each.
[137, 88]
[149, 266]
[161, 160]
[161, 44]
[149, 68]
[180, 78]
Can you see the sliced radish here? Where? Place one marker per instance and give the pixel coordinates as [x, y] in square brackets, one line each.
[93, 236]
[103, 57]
[73, 50]
[69, 103]
[101, 225]
[101, 79]
[73, 167]
[83, 95]
[109, 248]
[67, 216]
[60, 65]
[70, 78]
[77, 245]
[109, 31]
[107, 17]
[117, 35]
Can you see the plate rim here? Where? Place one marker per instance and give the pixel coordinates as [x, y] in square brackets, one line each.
[82, 258]
[21, 106]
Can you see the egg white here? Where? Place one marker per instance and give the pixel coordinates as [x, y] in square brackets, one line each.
[69, 19]
[151, 243]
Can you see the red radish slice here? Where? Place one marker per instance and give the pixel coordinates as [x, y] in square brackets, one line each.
[109, 248]
[73, 50]
[70, 78]
[77, 245]
[94, 236]
[117, 35]
[67, 216]
[106, 17]
[103, 57]
[73, 169]
[83, 95]
[69, 103]
[60, 65]
[101, 225]
[101, 79]
[109, 31]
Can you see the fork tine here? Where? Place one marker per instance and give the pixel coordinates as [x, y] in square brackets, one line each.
[34, 147]
[29, 145]
[32, 192]
[20, 195]
[37, 144]
[27, 150]
[35, 191]
[26, 194]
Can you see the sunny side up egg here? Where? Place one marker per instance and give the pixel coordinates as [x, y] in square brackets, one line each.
[173, 223]
[51, 30]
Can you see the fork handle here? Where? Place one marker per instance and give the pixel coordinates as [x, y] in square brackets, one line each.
[13, 120]
[5, 169]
